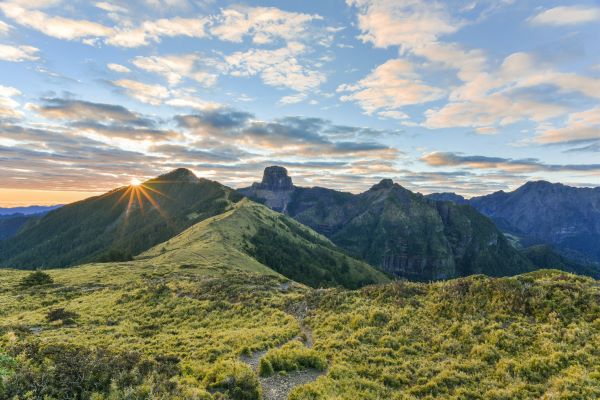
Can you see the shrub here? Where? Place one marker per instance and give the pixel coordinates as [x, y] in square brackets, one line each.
[293, 356]
[265, 368]
[60, 314]
[233, 379]
[37, 278]
[67, 371]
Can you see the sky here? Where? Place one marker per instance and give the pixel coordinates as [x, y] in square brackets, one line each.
[469, 96]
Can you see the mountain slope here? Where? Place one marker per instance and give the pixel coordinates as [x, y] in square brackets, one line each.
[564, 217]
[543, 256]
[401, 232]
[253, 236]
[11, 224]
[118, 224]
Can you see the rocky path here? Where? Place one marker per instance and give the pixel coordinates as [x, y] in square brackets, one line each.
[277, 386]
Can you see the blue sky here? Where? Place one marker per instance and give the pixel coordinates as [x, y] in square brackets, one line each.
[467, 96]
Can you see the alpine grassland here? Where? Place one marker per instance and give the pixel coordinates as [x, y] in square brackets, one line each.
[207, 315]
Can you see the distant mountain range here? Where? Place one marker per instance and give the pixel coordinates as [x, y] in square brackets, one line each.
[28, 210]
[564, 217]
[12, 220]
[403, 233]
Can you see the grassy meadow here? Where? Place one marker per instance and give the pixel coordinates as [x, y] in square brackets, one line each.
[177, 322]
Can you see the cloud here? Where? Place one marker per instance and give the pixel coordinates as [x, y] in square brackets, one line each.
[4, 28]
[214, 119]
[280, 67]
[175, 67]
[485, 98]
[594, 147]
[529, 165]
[109, 7]
[146, 93]
[18, 53]
[79, 110]
[567, 15]
[405, 23]
[153, 31]
[226, 144]
[102, 121]
[508, 95]
[58, 27]
[121, 36]
[263, 24]
[9, 108]
[289, 137]
[118, 68]
[293, 98]
[580, 126]
[390, 86]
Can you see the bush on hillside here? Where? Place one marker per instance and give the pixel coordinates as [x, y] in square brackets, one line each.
[67, 371]
[37, 278]
[114, 255]
[233, 380]
[60, 314]
[293, 356]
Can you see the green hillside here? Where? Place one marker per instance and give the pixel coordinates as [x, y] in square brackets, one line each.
[160, 329]
[543, 256]
[253, 236]
[118, 224]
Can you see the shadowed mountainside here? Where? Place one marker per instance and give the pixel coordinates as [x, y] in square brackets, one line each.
[403, 233]
[565, 217]
[119, 224]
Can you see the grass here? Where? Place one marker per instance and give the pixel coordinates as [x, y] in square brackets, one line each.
[172, 325]
[528, 337]
[292, 356]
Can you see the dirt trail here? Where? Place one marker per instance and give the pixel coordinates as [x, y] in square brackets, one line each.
[277, 386]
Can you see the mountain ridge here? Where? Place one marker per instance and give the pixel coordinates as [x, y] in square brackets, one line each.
[401, 232]
[541, 212]
[117, 224]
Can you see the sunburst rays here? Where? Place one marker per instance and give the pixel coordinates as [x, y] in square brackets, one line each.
[140, 195]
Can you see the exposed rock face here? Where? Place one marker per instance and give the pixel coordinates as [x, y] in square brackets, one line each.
[275, 179]
[275, 190]
[403, 233]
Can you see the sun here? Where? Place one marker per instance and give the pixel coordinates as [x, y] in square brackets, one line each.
[135, 182]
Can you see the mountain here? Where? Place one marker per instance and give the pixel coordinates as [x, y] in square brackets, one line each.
[117, 224]
[403, 233]
[11, 224]
[252, 236]
[545, 257]
[29, 210]
[564, 217]
[17, 218]
[448, 196]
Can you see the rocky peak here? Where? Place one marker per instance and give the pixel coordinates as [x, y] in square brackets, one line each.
[383, 184]
[179, 174]
[276, 179]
